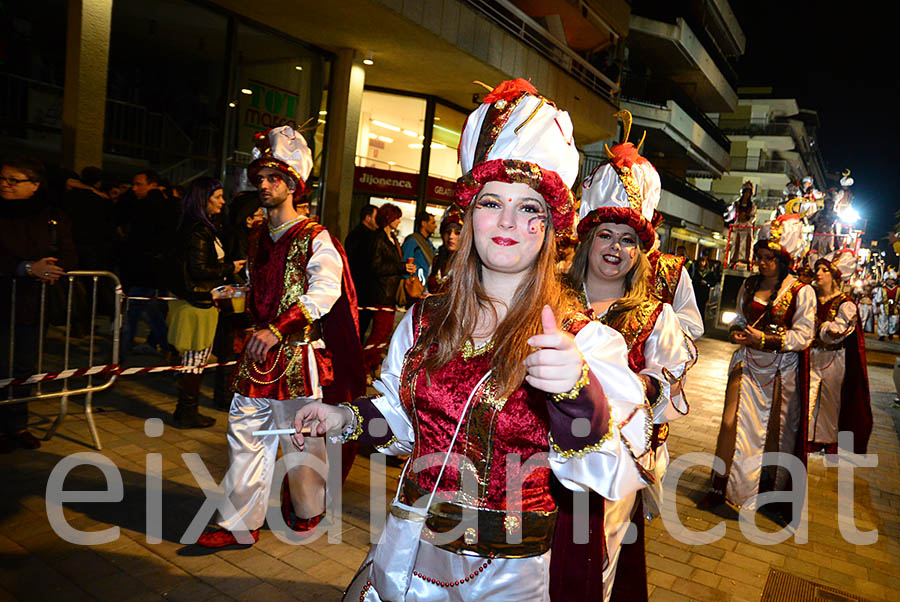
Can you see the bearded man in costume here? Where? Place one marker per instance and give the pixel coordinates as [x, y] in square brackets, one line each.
[303, 307]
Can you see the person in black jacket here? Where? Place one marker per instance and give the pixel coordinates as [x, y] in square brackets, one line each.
[244, 213]
[702, 279]
[387, 271]
[358, 245]
[199, 266]
[35, 248]
[145, 217]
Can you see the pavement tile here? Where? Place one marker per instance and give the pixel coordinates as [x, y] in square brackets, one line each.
[706, 578]
[665, 595]
[38, 564]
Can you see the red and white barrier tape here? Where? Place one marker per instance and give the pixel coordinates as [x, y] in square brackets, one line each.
[400, 309]
[114, 368]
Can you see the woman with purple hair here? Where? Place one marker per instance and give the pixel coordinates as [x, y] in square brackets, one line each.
[199, 266]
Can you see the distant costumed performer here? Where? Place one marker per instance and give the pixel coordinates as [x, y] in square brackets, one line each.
[767, 395]
[839, 384]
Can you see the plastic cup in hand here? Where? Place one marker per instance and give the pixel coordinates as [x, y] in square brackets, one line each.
[239, 301]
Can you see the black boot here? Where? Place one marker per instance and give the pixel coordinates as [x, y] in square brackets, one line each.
[186, 415]
[221, 394]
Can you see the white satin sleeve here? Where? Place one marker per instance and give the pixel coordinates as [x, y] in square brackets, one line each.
[323, 273]
[610, 468]
[685, 304]
[668, 355]
[803, 326]
[388, 384]
[841, 327]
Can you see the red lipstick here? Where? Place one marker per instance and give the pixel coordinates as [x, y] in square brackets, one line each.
[504, 242]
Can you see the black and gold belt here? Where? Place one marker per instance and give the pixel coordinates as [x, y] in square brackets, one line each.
[491, 531]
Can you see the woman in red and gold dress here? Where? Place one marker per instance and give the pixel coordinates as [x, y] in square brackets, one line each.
[768, 379]
[612, 275]
[574, 398]
[839, 384]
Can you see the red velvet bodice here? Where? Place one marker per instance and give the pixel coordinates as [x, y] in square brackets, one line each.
[493, 429]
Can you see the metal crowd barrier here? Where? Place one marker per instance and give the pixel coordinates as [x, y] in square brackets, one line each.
[66, 373]
[111, 370]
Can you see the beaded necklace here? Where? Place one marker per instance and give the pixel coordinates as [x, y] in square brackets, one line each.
[284, 226]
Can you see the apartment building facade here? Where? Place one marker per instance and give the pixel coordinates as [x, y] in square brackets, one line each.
[677, 71]
[381, 86]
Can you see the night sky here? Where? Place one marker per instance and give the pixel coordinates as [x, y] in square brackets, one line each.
[841, 61]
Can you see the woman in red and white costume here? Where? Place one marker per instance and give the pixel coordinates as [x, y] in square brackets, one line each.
[839, 385]
[768, 378]
[611, 272]
[573, 398]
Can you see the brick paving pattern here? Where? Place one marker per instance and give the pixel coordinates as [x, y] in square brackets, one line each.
[39, 565]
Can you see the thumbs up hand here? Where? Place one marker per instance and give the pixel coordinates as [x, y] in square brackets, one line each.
[556, 366]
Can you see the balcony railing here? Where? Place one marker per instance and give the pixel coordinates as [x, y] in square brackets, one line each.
[760, 165]
[131, 130]
[670, 182]
[756, 127]
[689, 192]
[670, 11]
[658, 92]
[515, 22]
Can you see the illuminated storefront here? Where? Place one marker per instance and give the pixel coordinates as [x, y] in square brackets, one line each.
[394, 130]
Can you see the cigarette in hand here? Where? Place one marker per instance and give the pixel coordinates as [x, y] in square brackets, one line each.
[305, 432]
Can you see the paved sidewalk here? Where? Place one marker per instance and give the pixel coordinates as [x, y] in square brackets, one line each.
[38, 565]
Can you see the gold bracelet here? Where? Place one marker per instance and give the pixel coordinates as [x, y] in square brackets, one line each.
[354, 428]
[576, 389]
[276, 332]
[762, 341]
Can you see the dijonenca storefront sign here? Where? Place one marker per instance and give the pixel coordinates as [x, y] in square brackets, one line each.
[400, 184]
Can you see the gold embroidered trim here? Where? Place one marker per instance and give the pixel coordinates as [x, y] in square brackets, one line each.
[580, 453]
[573, 318]
[309, 320]
[389, 443]
[469, 350]
[579, 385]
[284, 226]
[295, 270]
[632, 188]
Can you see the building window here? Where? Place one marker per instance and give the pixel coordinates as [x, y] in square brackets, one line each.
[391, 131]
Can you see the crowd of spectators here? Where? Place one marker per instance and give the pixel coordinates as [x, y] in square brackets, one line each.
[54, 222]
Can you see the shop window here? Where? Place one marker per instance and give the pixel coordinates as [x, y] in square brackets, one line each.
[276, 82]
[408, 219]
[391, 131]
[443, 162]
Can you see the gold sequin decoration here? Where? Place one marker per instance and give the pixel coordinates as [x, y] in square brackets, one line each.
[580, 453]
[511, 523]
[581, 383]
[358, 427]
[632, 189]
[392, 441]
[469, 350]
